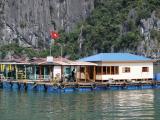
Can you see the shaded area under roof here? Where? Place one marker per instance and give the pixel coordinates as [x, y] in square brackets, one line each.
[113, 57]
[43, 61]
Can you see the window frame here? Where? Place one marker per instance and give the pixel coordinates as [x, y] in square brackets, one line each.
[126, 69]
[98, 70]
[145, 69]
[112, 70]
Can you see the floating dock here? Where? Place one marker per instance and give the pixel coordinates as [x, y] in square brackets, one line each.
[73, 86]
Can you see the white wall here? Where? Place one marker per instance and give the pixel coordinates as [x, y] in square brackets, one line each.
[56, 70]
[135, 71]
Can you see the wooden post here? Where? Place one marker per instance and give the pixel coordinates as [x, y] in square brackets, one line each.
[40, 72]
[25, 72]
[79, 73]
[35, 76]
[49, 72]
[44, 71]
[6, 71]
[75, 68]
[85, 73]
[62, 72]
[53, 72]
[16, 72]
[76, 74]
[94, 74]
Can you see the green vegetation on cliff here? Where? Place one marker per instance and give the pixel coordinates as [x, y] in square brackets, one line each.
[112, 27]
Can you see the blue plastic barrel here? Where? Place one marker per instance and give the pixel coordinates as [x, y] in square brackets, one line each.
[1, 85]
[40, 87]
[7, 85]
[115, 88]
[69, 89]
[31, 86]
[50, 88]
[131, 87]
[15, 86]
[147, 87]
[84, 89]
[157, 86]
[157, 76]
[100, 88]
[22, 86]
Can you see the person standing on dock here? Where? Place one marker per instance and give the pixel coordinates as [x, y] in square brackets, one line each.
[73, 75]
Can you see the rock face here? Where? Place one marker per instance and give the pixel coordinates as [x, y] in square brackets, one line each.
[149, 32]
[28, 22]
[149, 46]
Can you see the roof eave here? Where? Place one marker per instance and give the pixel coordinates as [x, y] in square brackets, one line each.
[130, 61]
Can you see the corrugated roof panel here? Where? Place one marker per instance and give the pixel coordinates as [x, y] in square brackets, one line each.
[115, 57]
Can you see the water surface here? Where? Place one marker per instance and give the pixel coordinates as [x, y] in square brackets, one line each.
[102, 105]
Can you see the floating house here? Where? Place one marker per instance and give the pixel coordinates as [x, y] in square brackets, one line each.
[104, 71]
[103, 67]
[44, 69]
[121, 66]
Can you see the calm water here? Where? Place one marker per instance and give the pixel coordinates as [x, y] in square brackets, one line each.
[105, 105]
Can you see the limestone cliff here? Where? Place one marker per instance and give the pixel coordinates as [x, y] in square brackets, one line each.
[28, 22]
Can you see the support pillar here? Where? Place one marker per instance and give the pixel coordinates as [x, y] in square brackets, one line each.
[52, 72]
[16, 72]
[35, 76]
[40, 72]
[6, 71]
[85, 73]
[75, 67]
[94, 74]
[44, 70]
[62, 72]
[25, 72]
[79, 73]
[102, 73]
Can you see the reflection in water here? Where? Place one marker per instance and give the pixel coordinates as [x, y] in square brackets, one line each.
[130, 105]
[115, 105]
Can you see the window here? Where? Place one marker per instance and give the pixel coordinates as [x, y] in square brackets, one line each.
[98, 70]
[104, 70]
[112, 70]
[108, 70]
[126, 69]
[145, 69]
[116, 70]
[68, 70]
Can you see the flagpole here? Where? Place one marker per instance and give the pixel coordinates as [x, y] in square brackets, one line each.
[50, 50]
[51, 46]
[61, 51]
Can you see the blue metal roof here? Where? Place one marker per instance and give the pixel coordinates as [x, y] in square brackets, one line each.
[114, 57]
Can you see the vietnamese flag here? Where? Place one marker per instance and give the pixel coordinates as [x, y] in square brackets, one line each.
[54, 35]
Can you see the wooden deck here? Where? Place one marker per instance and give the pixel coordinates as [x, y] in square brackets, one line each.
[81, 82]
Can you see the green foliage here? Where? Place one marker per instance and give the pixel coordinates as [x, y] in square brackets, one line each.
[110, 28]
[21, 51]
[155, 35]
